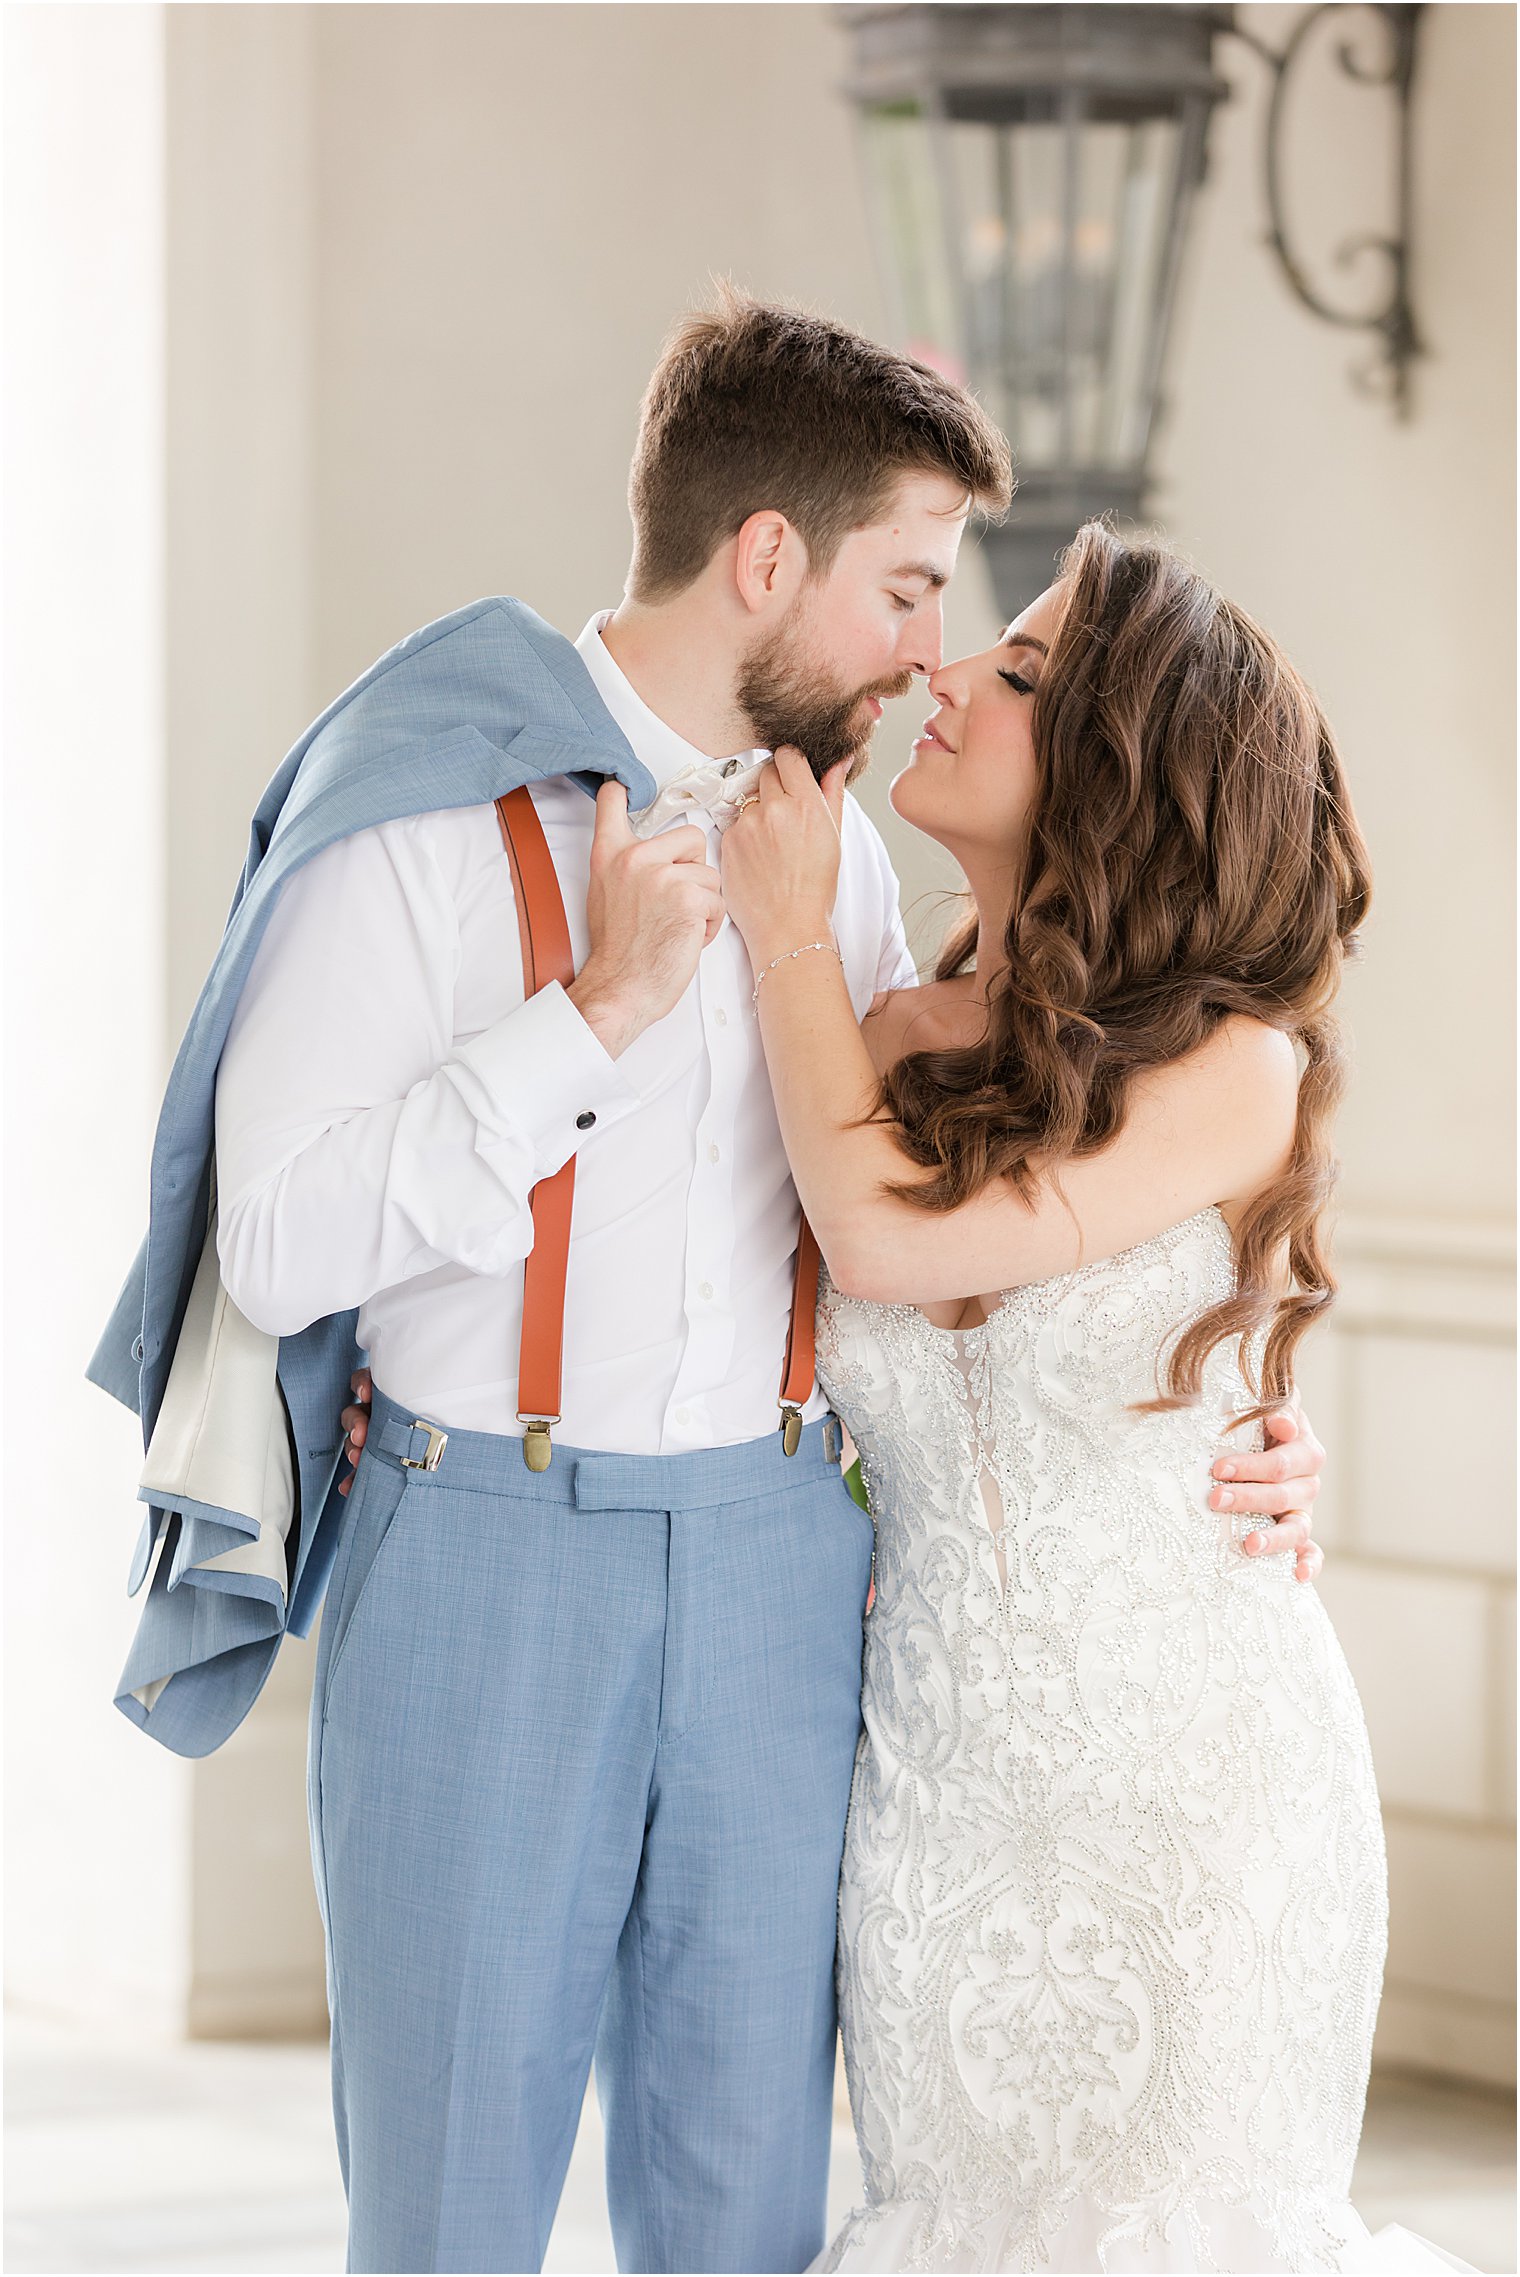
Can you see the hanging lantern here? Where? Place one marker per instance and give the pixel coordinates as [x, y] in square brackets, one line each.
[1030, 173]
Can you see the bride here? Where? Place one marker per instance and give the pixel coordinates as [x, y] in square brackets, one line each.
[1112, 1913]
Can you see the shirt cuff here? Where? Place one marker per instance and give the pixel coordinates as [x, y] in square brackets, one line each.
[541, 1078]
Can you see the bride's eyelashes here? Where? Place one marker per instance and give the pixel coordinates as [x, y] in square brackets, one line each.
[1016, 680]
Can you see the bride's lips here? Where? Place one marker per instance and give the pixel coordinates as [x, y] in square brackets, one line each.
[928, 736]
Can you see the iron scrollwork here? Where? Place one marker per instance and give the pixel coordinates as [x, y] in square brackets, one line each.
[1388, 371]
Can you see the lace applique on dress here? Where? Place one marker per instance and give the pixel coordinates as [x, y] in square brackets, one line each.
[1112, 1911]
[972, 1359]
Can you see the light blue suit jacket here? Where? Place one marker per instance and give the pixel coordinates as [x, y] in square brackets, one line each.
[467, 708]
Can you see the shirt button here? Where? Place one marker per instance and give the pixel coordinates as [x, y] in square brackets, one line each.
[683, 1415]
[705, 1290]
[721, 1017]
[732, 767]
[712, 1154]
[584, 1122]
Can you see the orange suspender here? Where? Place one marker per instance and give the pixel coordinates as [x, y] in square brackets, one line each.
[545, 935]
[797, 1368]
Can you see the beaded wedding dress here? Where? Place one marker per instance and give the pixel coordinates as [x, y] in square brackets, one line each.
[1112, 1909]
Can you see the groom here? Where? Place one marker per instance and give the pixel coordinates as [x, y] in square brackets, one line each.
[582, 1736]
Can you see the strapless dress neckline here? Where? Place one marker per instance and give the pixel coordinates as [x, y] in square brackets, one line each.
[1010, 1299]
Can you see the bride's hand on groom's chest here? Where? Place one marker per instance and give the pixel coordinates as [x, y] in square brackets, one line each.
[780, 856]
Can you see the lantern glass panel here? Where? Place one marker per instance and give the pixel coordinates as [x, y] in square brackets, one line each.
[909, 215]
[1061, 226]
[1146, 202]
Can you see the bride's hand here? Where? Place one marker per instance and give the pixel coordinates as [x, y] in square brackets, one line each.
[780, 857]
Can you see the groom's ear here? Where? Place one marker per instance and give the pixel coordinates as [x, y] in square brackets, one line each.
[769, 560]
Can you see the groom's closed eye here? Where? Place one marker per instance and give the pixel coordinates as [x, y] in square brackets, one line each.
[928, 574]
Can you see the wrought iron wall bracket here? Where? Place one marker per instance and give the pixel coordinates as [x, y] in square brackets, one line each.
[1387, 372]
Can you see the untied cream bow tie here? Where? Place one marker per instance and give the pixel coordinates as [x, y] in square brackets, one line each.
[714, 788]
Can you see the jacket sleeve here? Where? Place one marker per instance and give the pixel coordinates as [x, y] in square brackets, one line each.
[359, 1140]
[116, 1363]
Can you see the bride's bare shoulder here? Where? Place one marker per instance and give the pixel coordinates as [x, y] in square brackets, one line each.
[933, 1017]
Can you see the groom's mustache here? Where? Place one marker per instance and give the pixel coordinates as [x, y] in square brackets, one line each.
[823, 723]
[884, 692]
[887, 691]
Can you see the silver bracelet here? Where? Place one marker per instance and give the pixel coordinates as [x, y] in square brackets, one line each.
[785, 954]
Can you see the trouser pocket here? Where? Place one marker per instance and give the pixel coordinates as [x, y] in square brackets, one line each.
[379, 1494]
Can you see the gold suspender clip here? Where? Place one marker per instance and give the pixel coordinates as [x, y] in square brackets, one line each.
[791, 1428]
[537, 1445]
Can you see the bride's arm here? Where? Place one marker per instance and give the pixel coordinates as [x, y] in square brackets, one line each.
[1212, 1128]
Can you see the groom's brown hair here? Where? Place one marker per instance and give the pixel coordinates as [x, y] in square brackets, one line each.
[755, 405]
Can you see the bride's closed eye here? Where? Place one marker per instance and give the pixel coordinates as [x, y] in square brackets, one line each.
[1016, 680]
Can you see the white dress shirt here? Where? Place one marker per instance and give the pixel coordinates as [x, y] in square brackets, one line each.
[387, 1100]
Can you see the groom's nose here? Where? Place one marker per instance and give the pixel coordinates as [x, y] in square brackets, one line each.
[922, 646]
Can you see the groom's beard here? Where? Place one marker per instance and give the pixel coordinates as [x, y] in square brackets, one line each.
[789, 698]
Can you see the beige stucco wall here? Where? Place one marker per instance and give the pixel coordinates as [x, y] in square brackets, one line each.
[1381, 554]
[419, 263]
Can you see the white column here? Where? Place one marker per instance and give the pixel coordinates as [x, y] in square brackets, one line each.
[99, 1817]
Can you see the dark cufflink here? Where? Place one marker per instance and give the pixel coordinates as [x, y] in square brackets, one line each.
[584, 1122]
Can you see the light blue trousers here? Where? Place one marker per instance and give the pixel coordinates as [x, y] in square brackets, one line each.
[580, 1759]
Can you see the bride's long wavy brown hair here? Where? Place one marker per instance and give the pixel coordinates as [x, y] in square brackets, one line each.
[1192, 853]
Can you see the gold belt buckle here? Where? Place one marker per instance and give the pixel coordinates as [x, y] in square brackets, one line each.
[437, 1441]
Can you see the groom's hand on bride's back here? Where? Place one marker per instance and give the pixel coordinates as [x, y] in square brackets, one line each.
[355, 1421]
[652, 906]
[1280, 1483]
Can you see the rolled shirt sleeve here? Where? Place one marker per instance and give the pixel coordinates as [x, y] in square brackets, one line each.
[360, 1142]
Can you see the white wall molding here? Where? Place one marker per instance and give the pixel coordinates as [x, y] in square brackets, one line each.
[1426, 1276]
[1411, 1386]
